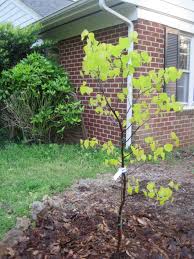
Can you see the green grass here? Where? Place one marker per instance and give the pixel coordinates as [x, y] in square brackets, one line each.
[27, 173]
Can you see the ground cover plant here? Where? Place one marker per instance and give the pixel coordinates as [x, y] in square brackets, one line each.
[28, 173]
[106, 61]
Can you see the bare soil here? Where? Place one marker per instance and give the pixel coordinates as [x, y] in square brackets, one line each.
[81, 222]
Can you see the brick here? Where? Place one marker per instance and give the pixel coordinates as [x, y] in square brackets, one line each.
[71, 59]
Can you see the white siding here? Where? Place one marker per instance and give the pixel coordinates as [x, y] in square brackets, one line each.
[177, 14]
[187, 4]
[183, 9]
[17, 13]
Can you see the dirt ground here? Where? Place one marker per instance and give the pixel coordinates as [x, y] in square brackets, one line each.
[81, 222]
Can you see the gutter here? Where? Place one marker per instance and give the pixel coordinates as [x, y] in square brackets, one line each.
[72, 10]
[90, 13]
[103, 5]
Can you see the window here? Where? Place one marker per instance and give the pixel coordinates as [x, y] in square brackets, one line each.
[184, 65]
[178, 53]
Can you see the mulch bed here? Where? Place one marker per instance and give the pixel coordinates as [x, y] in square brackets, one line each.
[80, 223]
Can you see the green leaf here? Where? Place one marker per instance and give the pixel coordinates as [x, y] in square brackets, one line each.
[137, 186]
[151, 186]
[108, 147]
[173, 185]
[85, 89]
[84, 34]
[112, 162]
[99, 110]
[175, 138]
[145, 193]
[151, 194]
[125, 91]
[145, 56]
[121, 97]
[149, 140]
[86, 143]
[168, 147]
[130, 189]
[93, 102]
[124, 123]
[124, 43]
[133, 36]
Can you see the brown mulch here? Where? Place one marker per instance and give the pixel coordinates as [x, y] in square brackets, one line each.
[80, 223]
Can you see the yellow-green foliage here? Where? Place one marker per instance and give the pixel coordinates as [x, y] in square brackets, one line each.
[89, 143]
[161, 194]
[133, 186]
[103, 61]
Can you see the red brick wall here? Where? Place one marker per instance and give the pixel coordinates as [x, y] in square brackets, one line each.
[151, 39]
[71, 55]
[161, 126]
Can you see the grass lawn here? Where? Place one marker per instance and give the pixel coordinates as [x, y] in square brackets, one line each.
[27, 173]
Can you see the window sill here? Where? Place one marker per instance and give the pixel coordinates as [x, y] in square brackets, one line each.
[188, 108]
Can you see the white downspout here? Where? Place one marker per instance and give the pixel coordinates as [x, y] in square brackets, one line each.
[103, 5]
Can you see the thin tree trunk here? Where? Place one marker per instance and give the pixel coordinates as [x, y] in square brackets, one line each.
[120, 220]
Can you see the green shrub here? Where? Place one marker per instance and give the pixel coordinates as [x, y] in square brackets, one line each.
[16, 43]
[38, 98]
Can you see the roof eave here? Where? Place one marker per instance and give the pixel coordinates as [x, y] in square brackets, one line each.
[75, 10]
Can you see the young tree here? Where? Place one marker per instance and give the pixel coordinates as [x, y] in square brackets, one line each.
[106, 61]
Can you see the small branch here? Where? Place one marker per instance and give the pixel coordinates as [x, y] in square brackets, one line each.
[128, 127]
[112, 110]
[130, 106]
[135, 131]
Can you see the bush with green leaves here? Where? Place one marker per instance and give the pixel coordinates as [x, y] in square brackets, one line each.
[16, 43]
[38, 99]
[104, 61]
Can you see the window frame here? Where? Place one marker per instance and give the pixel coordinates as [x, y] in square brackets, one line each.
[191, 79]
[190, 103]
[185, 71]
